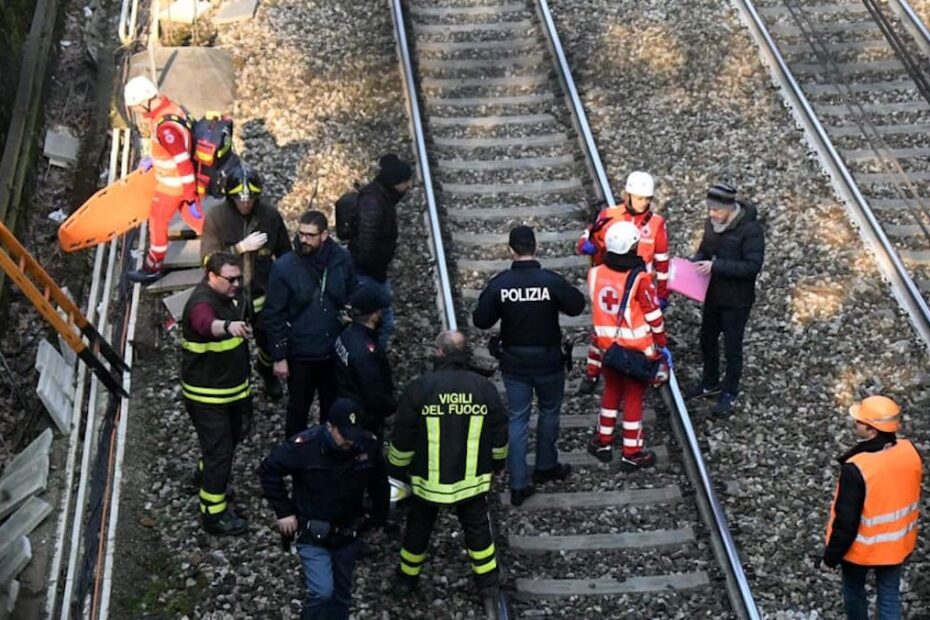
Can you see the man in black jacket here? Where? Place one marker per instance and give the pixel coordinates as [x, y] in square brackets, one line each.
[246, 226]
[527, 300]
[373, 231]
[364, 375]
[307, 290]
[732, 252]
[329, 466]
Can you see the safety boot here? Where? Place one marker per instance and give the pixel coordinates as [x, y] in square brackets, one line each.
[490, 598]
[404, 586]
[561, 471]
[640, 460]
[602, 452]
[518, 496]
[725, 404]
[150, 272]
[225, 524]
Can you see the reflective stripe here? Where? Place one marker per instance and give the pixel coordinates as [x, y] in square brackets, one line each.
[632, 443]
[399, 458]
[263, 358]
[167, 164]
[593, 362]
[432, 442]
[483, 554]
[655, 314]
[258, 304]
[213, 498]
[615, 331]
[217, 346]
[660, 256]
[605, 430]
[659, 329]
[888, 517]
[413, 558]
[499, 453]
[450, 493]
[216, 391]
[888, 536]
[662, 275]
[413, 571]
[158, 248]
[485, 568]
[632, 426]
[213, 509]
[609, 413]
[475, 424]
[216, 396]
[181, 158]
[173, 181]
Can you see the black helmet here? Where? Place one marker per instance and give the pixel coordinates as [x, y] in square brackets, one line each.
[243, 183]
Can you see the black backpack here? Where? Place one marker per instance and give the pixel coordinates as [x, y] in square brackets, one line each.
[212, 150]
[347, 214]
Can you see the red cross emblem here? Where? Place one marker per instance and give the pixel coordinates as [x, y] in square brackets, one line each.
[608, 300]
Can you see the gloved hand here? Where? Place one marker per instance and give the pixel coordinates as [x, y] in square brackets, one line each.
[251, 243]
[663, 304]
[145, 163]
[664, 352]
[588, 248]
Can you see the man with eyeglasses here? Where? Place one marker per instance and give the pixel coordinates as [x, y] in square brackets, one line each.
[215, 384]
[307, 289]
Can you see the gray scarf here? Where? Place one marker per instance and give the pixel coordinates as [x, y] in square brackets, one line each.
[722, 226]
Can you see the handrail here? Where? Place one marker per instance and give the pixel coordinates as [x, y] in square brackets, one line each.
[579, 116]
[843, 183]
[127, 21]
[724, 547]
[419, 141]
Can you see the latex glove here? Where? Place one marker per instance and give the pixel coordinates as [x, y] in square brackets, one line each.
[251, 243]
[664, 352]
[588, 248]
[145, 163]
[663, 304]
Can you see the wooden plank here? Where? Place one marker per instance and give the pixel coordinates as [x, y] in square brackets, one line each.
[507, 163]
[558, 588]
[598, 499]
[510, 81]
[490, 101]
[491, 121]
[507, 212]
[550, 139]
[518, 26]
[600, 542]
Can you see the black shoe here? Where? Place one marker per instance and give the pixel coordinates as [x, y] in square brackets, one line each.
[699, 391]
[587, 386]
[518, 496]
[225, 524]
[404, 586]
[724, 405]
[490, 598]
[603, 453]
[273, 388]
[144, 276]
[640, 460]
[560, 472]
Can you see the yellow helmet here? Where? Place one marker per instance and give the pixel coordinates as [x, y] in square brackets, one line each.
[879, 412]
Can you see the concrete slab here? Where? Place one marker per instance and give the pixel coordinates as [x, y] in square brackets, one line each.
[176, 280]
[56, 401]
[50, 361]
[589, 420]
[178, 228]
[555, 588]
[37, 448]
[235, 11]
[22, 484]
[175, 303]
[598, 499]
[201, 79]
[598, 542]
[61, 147]
[184, 11]
[183, 254]
[15, 561]
[22, 522]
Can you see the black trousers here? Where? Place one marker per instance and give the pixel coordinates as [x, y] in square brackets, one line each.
[219, 428]
[475, 521]
[305, 381]
[731, 322]
[378, 487]
[263, 364]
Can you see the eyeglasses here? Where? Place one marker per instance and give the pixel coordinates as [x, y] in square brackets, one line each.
[231, 279]
[301, 233]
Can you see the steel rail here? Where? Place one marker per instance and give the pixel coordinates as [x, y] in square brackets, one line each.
[912, 22]
[889, 263]
[423, 168]
[711, 510]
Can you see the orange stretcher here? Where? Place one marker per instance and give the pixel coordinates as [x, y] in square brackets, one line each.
[118, 207]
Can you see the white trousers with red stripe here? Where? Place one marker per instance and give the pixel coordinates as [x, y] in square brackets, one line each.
[622, 392]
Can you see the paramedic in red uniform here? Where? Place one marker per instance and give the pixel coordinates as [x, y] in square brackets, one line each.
[175, 184]
[653, 248]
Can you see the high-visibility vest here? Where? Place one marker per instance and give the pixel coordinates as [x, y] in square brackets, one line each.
[171, 173]
[888, 527]
[605, 287]
[649, 225]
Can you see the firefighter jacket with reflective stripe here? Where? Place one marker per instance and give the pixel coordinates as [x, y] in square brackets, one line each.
[885, 525]
[224, 226]
[653, 242]
[449, 428]
[171, 150]
[642, 327]
[214, 371]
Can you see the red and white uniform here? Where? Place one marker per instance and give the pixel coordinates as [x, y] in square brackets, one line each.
[176, 185]
[642, 328]
[653, 249]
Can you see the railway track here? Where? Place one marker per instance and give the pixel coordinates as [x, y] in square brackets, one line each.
[503, 131]
[855, 74]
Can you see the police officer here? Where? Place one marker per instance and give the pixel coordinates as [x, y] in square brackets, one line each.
[364, 375]
[527, 300]
[329, 466]
[215, 383]
[246, 226]
[450, 433]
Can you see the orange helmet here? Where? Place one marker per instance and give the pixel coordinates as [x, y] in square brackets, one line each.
[879, 412]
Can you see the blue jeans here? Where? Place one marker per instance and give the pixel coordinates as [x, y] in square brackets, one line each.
[387, 315]
[887, 582]
[550, 390]
[328, 575]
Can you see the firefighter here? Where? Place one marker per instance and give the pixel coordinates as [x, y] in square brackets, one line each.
[450, 433]
[329, 466]
[637, 326]
[175, 184]
[246, 226]
[653, 248]
[215, 383]
[873, 519]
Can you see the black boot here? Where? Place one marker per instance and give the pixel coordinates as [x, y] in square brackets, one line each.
[225, 524]
[150, 272]
[490, 599]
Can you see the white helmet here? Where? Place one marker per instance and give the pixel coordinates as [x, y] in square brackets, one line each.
[138, 90]
[621, 237]
[640, 184]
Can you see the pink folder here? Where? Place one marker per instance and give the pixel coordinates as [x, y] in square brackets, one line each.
[684, 279]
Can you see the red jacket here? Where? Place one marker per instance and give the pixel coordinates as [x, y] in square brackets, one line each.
[171, 151]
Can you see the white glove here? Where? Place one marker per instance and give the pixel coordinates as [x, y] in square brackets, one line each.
[251, 243]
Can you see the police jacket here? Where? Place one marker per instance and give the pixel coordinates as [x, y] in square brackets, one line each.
[364, 374]
[737, 253]
[304, 298]
[374, 238]
[214, 370]
[224, 227]
[449, 431]
[328, 485]
[527, 300]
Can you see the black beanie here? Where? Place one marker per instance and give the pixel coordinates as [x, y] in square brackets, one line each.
[392, 171]
[721, 196]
